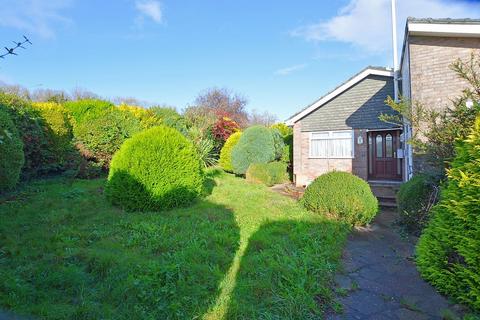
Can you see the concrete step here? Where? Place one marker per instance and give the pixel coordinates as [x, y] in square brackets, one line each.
[386, 192]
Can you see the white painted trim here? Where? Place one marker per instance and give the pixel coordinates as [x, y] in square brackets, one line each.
[443, 29]
[391, 129]
[336, 92]
[352, 132]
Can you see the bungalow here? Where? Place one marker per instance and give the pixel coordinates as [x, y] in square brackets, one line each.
[342, 131]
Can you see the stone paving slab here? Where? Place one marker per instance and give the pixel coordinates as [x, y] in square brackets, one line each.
[380, 280]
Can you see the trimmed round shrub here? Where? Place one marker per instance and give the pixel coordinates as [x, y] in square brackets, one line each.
[415, 199]
[156, 169]
[11, 152]
[59, 131]
[37, 148]
[226, 153]
[268, 174]
[100, 128]
[278, 143]
[448, 249]
[342, 195]
[256, 145]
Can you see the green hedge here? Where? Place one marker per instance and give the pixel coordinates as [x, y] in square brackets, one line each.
[156, 169]
[342, 195]
[414, 199]
[256, 145]
[100, 128]
[225, 160]
[448, 250]
[39, 155]
[59, 132]
[268, 174]
[11, 152]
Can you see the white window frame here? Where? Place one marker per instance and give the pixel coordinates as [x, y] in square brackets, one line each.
[330, 137]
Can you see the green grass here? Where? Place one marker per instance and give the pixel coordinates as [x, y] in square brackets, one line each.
[243, 252]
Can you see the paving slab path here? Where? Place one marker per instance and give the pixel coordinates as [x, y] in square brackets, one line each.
[380, 280]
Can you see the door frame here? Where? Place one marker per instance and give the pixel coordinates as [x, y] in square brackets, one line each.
[371, 134]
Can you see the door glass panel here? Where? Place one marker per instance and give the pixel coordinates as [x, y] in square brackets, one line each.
[388, 146]
[370, 154]
[379, 145]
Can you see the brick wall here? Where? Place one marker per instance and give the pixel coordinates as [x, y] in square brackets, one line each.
[306, 169]
[433, 83]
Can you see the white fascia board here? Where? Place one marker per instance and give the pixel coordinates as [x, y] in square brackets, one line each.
[336, 92]
[444, 29]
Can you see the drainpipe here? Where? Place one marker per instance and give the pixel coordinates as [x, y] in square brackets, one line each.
[395, 50]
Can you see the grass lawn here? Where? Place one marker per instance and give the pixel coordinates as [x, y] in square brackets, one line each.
[243, 252]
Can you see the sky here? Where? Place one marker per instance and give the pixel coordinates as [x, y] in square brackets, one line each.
[281, 55]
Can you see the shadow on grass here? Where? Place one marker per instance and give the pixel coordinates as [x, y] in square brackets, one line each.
[286, 270]
[80, 258]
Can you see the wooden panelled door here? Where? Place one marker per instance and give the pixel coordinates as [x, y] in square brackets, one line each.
[384, 163]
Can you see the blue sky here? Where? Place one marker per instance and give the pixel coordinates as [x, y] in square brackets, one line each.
[281, 55]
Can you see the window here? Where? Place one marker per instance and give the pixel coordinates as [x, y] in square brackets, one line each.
[331, 144]
[379, 142]
[388, 146]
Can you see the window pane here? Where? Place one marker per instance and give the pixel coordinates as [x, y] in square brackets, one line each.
[379, 145]
[342, 134]
[320, 135]
[319, 148]
[388, 146]
[340, 148]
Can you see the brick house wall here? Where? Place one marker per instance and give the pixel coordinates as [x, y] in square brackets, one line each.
[306, 169]
[433, 83]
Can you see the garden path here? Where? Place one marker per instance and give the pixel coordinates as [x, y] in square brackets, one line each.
[380, 280]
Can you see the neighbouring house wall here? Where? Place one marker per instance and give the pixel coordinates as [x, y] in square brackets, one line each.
[432, 82]
[358, 108]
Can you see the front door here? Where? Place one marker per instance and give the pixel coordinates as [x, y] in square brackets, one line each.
[383, 155]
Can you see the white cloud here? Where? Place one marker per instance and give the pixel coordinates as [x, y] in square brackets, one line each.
[366, 24]
[38, 17]
[149, 8]
[288, 70]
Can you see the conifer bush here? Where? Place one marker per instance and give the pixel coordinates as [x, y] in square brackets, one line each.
[11, 152]
[225, 160]
[59, 132]
[100, 128]
[156, 169]
[342, 195]
[256, 145]
[448, 250]
[39, 155]
[268, 174]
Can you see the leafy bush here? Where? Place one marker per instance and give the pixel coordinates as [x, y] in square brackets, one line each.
[146, 117]
[256, 145]
[283, 129]
[226, 153]
[287, 155]
[343, 195]
[170, 118]
[59, 132]
[448, 250]
[278, 143]
[38, 153]
[11, 152]
[100, 128]
[415, 199]
[156, 169]
[267, 173]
